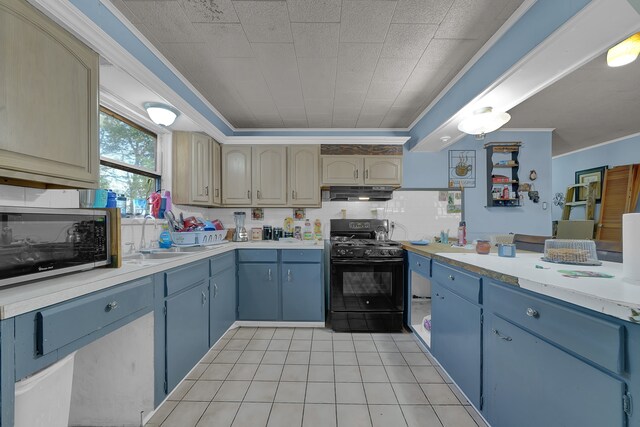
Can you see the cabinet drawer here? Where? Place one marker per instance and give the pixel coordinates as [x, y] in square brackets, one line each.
[420, 264]
[64, 323]
[595, 339]
[183, 277]
[301, 255]
[458, 282]
[222, 262]
[257, 255]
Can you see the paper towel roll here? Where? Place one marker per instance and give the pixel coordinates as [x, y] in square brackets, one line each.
[631, 247]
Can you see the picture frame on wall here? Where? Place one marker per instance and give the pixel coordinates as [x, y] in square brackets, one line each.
[462, 169]
[590, 175]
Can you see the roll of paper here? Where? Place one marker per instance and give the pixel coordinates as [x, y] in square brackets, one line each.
[631, 247]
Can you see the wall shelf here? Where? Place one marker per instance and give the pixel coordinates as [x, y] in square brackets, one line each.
[497, 154]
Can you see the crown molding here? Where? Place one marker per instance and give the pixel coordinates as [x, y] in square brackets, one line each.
[298, 140]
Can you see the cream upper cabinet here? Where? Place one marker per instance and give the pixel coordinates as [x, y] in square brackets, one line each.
[269, 176]
[304, 175]
[216, 176]
[236, 175]
[383, 170]
[193, 167]
[48, 101]
[342, 170]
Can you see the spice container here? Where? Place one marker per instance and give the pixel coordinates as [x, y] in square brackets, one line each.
[483, 247]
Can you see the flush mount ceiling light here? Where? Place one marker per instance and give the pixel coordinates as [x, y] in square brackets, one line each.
[161, 114]
[624, 52]
[483, 121]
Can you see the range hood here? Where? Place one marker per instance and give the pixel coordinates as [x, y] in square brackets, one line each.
[358, 194]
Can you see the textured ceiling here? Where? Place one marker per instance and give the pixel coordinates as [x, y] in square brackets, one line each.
[593, 104]
[318, 63]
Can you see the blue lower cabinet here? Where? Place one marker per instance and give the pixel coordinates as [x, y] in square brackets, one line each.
[456, 339]
[258, 291]
[187, 331]
[529, 382]
[302, 292]
[222, 304]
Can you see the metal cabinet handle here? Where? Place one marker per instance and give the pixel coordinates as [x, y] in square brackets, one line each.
[502, 337]
[111, 306]
[366, 174]
[269, 274]
[532, 312]
[289, 275]
[357, 171]
[293, 194]
[418, 264]
[248, 194]
[204, 298]
[259, 195]
[452, 277]
[206, 190]
[439, 296]
[217, 192]
[215, 290]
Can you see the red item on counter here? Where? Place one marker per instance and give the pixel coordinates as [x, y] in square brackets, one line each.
[217, 224]
[154, 202]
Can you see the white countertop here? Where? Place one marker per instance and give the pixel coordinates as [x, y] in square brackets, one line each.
[614, 296]
[31, 296]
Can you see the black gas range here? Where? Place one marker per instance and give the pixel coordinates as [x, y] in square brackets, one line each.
[367, 276]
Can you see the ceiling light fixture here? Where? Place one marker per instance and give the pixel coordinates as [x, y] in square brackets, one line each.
[624, 52]
[161, 114]
[483, 121]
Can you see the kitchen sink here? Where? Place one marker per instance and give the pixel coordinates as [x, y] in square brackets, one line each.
[139, 257]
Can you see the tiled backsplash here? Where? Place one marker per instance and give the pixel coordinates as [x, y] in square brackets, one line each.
[416, 214]
[35, 197]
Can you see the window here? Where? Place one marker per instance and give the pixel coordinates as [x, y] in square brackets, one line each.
[128, 160]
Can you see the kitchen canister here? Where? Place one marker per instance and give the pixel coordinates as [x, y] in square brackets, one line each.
[631, 248]
[256, 233]
[267, 232]
[508, 250]
[278, 233]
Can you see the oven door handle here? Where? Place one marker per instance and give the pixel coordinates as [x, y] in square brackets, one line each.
[367, 261]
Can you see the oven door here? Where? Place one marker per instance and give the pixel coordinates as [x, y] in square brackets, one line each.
[367, 284]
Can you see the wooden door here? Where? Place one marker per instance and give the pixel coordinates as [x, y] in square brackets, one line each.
[200, 169]
[216, 174]
[383, 170]
[619, 196]
[531, 383]
[342, 170]
[304, 175]
[236, 175]
[269, 175]
[48, 101]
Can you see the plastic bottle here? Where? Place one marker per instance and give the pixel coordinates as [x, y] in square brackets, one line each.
[164, 240]
[462, 233]
[121, 203]
[307, 233]
[111, 199]
[505, 192]
[167, 196]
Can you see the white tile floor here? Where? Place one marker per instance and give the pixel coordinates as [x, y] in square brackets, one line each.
[281, 377]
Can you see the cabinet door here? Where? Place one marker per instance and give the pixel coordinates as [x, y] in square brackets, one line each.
[258, 291]
[201, 169]
[302, 292]
[269, 174]
[48, 101]
[187, 331]
[379, 170]
[531, 383]
[343, 170]
[216, 174]
[222, 291]
[456, 339]
[236, 175]
[304, 175]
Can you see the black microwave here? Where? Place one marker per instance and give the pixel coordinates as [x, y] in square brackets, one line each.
[36, 242]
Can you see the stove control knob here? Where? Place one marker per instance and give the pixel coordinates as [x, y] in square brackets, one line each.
[342, 252]
[384, 252]
[368, 252]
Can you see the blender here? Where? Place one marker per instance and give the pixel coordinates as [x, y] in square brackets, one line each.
[240, 234]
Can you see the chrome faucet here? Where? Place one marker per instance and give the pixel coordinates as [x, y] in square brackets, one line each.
[143, 242]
